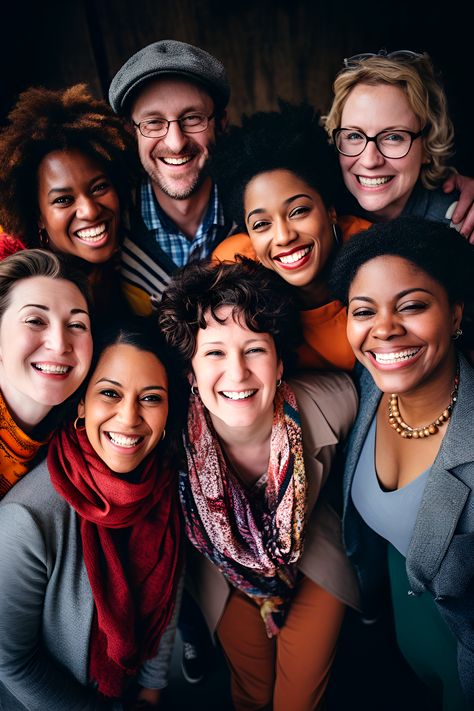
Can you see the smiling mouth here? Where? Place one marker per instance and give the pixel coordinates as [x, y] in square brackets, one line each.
[176, 161]
[121, 440]
[238, 395]
[295, 256]
[92, 234]
[374, 182]
[52, 369]
[395, 357]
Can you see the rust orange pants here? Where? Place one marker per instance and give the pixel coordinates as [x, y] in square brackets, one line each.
[290, 671]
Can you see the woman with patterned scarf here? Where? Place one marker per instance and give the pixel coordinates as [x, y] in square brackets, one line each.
[268, 569]
[90, 562]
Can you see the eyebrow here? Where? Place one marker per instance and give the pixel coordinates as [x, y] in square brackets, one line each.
[220, 343]
[69, 188]
[46, 308]
[115, 382]
[260, 210]
[400, 295]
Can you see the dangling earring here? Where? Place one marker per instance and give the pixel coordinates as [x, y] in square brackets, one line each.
[194, 391]
[278, 382]
[336, 232]
[457, 333]
[76, 427]
[164, 434]
[43, 237]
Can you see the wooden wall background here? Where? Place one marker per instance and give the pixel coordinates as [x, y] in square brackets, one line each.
[271, 48]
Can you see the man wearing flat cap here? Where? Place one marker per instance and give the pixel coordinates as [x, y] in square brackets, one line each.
[175, 96]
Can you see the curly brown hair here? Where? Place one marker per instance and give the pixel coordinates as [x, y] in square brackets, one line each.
[254, 292]
[45, 120]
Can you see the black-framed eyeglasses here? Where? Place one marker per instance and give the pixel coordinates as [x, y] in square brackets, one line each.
[391, 144]
[158, 127]
[406, 55]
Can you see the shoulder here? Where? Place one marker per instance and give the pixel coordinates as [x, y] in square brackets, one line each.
[35, 494]
[431, 204]
[331, 394]
[235, 244]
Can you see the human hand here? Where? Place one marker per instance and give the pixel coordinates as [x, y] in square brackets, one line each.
[463, 215]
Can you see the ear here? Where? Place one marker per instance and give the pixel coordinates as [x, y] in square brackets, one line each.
[40, 222]
[458, 310]
[81, 409]
[224, 122]
[332, 215]
[279, 370]
[191, 378]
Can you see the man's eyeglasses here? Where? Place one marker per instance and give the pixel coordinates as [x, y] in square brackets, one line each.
[158, 127]
[391, 144]
[406, 55]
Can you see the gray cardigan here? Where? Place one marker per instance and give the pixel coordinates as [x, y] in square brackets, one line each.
[440, 557]
[46, 606]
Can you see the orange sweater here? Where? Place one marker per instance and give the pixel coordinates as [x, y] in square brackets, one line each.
[324, 328]
[17, 450]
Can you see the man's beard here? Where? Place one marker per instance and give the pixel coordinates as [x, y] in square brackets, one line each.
[171, 191]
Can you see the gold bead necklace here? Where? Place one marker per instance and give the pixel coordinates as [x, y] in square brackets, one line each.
[400, 426]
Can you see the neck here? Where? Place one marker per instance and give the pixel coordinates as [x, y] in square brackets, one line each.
[187, 214]
[425, 403]
[314, 294]
[26, 413]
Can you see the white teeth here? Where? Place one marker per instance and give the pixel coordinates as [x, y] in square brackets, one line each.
[47, 368]
[387, 358]
[295, 256]
[177, 161]
[373, 182]
[92, 234]
[242, 395]
[123, 440]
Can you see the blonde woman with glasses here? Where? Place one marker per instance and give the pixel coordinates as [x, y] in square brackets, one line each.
[390, 124]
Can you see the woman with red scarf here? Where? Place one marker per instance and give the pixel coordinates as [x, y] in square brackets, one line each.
[90, 560]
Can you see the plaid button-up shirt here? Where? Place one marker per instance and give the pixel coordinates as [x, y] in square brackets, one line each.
[172, 241]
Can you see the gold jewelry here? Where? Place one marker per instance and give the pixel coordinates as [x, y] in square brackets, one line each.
[164, 433]
[400, 426]
[79, 429]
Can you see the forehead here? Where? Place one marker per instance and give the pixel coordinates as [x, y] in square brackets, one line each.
[171, 96]
[275, 186]
[47, 291]
[389, 275]
[379, 104]
[128, 364]
[72, 163]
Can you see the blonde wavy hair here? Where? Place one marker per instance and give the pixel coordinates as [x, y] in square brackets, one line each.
[426, 97]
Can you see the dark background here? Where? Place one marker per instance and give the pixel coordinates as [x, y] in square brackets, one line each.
[287, 48]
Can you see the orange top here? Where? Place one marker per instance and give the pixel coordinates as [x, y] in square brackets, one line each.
[17, 450]
[324, 328]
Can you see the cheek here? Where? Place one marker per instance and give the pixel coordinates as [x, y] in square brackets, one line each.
[355, 334]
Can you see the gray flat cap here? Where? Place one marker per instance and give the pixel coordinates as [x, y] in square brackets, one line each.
[169, 57]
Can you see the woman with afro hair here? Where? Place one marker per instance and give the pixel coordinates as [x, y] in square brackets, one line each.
[279, 178]
[66, 169]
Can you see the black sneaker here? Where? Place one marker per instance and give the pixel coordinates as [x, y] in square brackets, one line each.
[192, 663]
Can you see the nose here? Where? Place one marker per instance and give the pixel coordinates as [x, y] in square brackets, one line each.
[238, 367]
[387, 325]
[284, 234]
[371, 156]
[128, 413]
[87, 208]
[58, 339]
[175, 140]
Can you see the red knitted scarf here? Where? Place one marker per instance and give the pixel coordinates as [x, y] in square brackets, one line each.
[131, 544]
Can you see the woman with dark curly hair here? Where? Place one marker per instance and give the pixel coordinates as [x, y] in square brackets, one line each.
[409, 480]
[66, 170]
[279, 179]
[259, 449]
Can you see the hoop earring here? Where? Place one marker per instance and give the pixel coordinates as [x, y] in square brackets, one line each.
[79, 429]
[278, 382]
[43, 237]
[337, 234]
[457, 333]
[194, 391]
[164, 434]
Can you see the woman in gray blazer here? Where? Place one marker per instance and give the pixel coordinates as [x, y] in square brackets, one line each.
[409, 476]
[267, 565]
[90, 558]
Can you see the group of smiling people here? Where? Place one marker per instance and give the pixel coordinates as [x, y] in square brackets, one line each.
[229, 443]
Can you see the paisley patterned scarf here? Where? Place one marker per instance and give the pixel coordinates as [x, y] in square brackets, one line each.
[256, 542]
